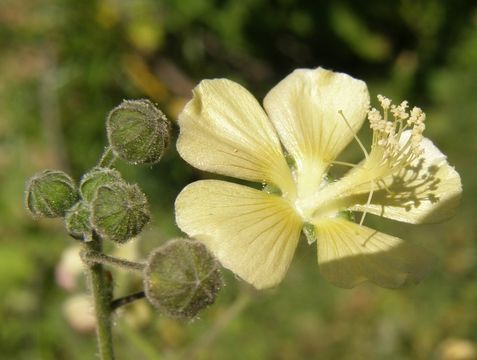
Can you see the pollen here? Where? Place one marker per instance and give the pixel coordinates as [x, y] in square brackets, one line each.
[385, 102]
[388, 150]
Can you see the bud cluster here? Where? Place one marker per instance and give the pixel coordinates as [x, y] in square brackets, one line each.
[104, 203]
[181, 277]
[138, 132]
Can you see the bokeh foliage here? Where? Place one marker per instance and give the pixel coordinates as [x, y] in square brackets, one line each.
[64, 64]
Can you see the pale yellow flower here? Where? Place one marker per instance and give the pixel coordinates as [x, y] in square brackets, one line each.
[310, 116]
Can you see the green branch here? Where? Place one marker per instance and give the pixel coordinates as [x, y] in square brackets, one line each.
[117, 303]
[95, 257]
[108, 158]
[101, 288]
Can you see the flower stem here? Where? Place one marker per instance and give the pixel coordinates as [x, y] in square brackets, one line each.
[96, 257]
[108, 158]
[116, 303]
[101, 288]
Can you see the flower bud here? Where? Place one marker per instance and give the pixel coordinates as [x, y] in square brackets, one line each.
[181, 278]
[95, 178]
[50, 193]
[138, 132]
[119, 211]
[77, 221]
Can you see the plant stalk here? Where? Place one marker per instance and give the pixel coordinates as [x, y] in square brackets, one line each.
[100, 258]
[108, 158]
[101, 288]
[117, 303]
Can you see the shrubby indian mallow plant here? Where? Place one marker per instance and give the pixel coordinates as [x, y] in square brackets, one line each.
[289, 147]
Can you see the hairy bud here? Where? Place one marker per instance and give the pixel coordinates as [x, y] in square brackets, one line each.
[95, 178]
[119, 211]
[50, 193]
[138, 132]
[77, 221]
[181, 278]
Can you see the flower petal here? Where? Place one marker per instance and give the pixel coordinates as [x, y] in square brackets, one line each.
[304, 108]
[223, 129]
[252, 233]
[428, 191]
[349, 254]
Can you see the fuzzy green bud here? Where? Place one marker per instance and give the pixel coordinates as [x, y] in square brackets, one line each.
[77, 221]
[50, 193]
[119, 211]
[95, 178]
[181, 278]
[138, 132]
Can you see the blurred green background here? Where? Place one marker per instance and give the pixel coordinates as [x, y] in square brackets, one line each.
[65, 63]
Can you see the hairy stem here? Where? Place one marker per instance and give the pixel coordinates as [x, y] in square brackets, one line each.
[108, 158]
[101, 288]
[116, 303]
[92, 256]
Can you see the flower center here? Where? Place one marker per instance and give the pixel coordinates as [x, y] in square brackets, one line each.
[396, 145]
[390, 150]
